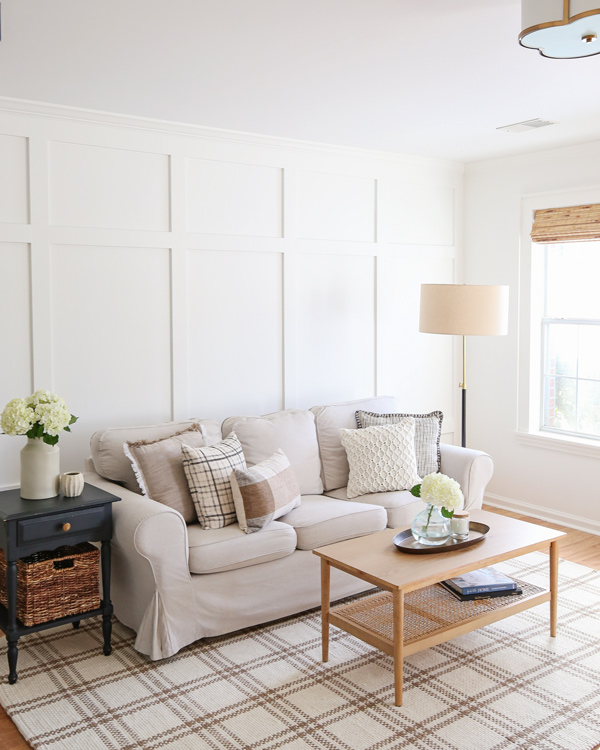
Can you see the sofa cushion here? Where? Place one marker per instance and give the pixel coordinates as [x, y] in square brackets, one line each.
[401, 507]
[428, 432]
[158, 467]
[228, 548]
[264, 492]
[208, 472]
[329, 420]
[322, 520]
[110, 460]
[381, 459]
[293, 432]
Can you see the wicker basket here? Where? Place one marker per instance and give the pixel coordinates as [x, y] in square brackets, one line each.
[54, 584]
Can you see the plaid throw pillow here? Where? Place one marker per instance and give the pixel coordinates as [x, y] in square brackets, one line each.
[208, 471]
[428, 431]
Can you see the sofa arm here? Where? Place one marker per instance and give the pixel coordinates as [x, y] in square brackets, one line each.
[471, 469]
[150, 567]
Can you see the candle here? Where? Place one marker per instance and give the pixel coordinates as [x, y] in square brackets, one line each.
[460, 525]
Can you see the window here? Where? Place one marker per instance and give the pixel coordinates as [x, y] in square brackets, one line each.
[566, 320]
[570, 339]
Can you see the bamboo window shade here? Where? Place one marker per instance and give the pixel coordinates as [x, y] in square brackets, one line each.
[570, 224]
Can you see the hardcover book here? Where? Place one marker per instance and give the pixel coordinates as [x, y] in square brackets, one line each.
[481, 581]
[481, 595]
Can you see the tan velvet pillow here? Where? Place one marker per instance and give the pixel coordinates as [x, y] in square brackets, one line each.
[158, 467]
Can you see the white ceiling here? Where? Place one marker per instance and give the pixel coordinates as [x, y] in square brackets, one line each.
[424, 77]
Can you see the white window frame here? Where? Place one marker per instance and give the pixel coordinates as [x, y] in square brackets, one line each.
[531, 351]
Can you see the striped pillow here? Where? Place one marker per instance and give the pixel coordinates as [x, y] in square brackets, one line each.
[428, 431]
[208, 471]
[264, 492]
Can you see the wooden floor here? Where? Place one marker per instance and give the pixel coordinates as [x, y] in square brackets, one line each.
[577, 546]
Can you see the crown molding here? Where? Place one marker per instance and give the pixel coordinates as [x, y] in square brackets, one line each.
[11, 106]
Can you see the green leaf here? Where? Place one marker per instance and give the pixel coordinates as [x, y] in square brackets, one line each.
[73, 419]
[416, 490]
[50, 439]
[67, 428]
[447, 513]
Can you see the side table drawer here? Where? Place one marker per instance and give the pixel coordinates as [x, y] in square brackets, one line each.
[60, 525]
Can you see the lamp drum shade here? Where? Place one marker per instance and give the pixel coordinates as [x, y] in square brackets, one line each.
[464, 309]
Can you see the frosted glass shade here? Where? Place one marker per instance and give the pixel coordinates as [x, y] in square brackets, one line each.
[464, 309]
[561, 29]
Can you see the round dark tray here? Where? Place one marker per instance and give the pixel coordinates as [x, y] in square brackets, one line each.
[405, 541]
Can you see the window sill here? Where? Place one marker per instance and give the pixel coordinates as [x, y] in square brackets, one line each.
[580, 446]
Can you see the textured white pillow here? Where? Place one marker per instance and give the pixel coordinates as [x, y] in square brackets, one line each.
[381, 459]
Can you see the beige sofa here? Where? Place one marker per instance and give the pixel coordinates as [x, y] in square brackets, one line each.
[175, 583]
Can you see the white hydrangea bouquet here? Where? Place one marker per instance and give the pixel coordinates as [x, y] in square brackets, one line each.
[442, 491]
[41, 415]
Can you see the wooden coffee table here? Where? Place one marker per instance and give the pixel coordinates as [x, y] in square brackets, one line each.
[413, 613]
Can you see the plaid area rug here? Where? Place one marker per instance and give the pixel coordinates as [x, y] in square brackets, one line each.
[508, 685]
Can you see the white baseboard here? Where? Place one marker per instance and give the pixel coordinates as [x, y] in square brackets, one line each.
[544, 514]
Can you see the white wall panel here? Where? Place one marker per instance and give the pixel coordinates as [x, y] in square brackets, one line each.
[107, 188]
[335, 207]
[234, 199]
[15, 345]
[14, 180]
[335, 326]
[235, 333]
[207, 276]
[416, 214]
[111, 347]
[417, 367]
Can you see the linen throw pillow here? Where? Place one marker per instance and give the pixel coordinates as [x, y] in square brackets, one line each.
[381, 459]
[264, 492]
[158, 467]
[428, 432]
[208, 471]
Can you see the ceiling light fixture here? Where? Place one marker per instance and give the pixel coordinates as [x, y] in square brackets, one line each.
[561, 29]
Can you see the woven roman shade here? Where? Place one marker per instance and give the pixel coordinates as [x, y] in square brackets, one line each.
[570, 224]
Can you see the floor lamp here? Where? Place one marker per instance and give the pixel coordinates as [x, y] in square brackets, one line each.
[464, 310]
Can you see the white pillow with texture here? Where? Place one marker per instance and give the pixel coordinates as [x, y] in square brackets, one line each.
[381, 459]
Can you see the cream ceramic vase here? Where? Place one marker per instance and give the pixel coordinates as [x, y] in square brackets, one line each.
[71, 483]
[40, 470]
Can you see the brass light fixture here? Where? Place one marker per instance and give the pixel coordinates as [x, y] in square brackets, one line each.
[562, 29]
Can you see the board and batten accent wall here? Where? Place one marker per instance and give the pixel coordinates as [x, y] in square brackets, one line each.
[153, 271]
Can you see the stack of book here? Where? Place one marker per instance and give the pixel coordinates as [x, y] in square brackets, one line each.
[481, 584]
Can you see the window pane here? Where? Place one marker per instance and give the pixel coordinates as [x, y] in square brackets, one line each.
[560, 400]
[589, 352]
[561, 358]
[588, 420]
[572, 272]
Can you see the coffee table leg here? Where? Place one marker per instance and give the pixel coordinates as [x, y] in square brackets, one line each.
[553, 587]
[325, 579]
[398, 598]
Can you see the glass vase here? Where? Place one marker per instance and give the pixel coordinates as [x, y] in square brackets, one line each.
[430, 527]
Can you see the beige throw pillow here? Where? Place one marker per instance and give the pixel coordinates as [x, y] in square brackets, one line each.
[208, 471]
[158, 467]
[381, 459]
[264, 492]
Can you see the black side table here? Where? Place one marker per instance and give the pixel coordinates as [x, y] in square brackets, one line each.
[30, 526]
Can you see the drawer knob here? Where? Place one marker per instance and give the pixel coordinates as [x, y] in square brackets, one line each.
[66, 526]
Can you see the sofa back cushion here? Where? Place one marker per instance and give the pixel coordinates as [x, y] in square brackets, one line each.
[293, 432]
[109, 457]
[329, 419]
